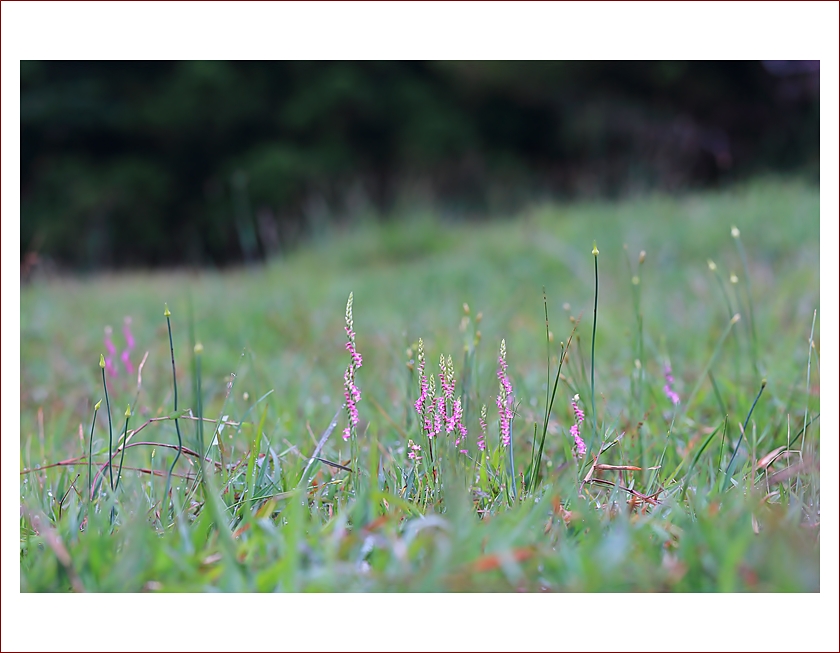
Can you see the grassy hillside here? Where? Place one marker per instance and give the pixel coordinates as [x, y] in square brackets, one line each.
[697, 516]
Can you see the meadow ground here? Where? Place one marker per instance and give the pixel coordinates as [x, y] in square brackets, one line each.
[726, 497]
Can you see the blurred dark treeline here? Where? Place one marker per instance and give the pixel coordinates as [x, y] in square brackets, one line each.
[128, 164]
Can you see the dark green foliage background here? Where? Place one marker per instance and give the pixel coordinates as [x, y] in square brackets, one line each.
[128, 164]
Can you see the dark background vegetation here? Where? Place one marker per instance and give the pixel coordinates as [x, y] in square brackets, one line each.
[145, 164]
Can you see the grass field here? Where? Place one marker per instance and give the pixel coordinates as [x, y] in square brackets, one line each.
[728, 487]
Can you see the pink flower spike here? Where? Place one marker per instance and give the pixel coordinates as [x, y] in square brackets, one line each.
[482, 422]
[129, 338]
[112, 350]
[580, 446]
[126, 360]
[440, 408]
[673, 397]
[352, 395]
[574, 430]
[579, 416]
[505, 398]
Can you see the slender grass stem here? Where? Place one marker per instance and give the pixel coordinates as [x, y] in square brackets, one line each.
[802, 431]
[697, 455]
[592, 354]
[110, 425]
[718, 396]
[637, 380]
[709, 364]
[808, 379]
[167, 314]
[656, 471]
[535, 469]
[714, 269]
[124, 442]
[90, 450]
[736, 234]
[199, 405]
[511, 468]
[741, 437]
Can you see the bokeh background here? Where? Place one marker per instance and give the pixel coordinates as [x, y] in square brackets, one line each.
[132, 164]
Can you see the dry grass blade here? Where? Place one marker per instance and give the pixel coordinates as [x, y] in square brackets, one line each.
[768, 459]
[650, 499]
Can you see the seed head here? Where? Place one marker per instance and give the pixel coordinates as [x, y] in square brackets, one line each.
[348, 313]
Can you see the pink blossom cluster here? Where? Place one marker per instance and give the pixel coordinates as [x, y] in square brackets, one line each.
[574, 431]
[447, 386]
[504, 401]
[112, 350]
[482, 422]
[352, 395]
[443, 413]
[129, 343]
[125, 357]
[457, 417]
[420, 404]
[668, 387]
[414, 451]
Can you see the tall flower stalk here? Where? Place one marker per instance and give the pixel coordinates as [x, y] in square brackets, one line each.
[443, 414]
[110, 367]
[129, 345]
[668, 388]
[167, 315]
[125, 442]
[90, 449]
[504, 400]
[592, 356]
[574, 431]
[102, 365]
[352, 395]
[420, 404]
[482, 422]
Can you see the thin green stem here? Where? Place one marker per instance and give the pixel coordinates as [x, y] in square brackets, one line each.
[718, 396]
[701, 377]
[741, 437]
[592, 355]
[754, 338]
[808, 380]
[802, 430]
[713, 267]
[549, 406]
[175, 393]
[90, 450]
[511, 468]
[122, 453]
[198, 399]
[110, 428]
